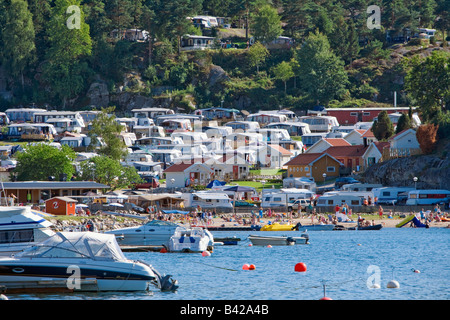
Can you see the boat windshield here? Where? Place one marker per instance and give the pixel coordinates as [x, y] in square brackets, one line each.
[161, 223]
[89, 245]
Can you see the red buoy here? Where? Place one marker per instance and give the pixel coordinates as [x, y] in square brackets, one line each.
[163, 250]
[245, 266]
[252, 267]
[300, 267]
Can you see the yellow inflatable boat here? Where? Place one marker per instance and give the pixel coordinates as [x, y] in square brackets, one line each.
[277, 227]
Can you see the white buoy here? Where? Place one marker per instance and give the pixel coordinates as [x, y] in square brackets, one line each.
[393, 284]
[375, 286]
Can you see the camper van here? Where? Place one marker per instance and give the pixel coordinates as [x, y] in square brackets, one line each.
[389, 195]
[282, 197]
[428, 197]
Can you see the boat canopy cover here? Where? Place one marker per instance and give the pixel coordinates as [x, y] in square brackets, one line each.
[89, 245]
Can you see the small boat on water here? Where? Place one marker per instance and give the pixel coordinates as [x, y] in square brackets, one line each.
[314, 227]
[78, 261]
[258, 240]
[164, 233]
[21, 227]
[277, 227]
[195, 239]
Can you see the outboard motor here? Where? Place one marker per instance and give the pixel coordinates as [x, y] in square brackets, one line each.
[165, 283]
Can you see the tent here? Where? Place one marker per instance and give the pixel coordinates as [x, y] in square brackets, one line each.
[215, 183]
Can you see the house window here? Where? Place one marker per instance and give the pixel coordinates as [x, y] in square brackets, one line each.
[353, 113]
[366, 113]
[306, 169]
[331, 169]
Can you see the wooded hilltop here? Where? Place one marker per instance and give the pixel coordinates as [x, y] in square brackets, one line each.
[334, 59]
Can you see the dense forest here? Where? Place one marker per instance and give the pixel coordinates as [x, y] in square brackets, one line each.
[51, 54]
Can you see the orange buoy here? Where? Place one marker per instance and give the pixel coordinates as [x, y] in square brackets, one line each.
[300, 267]
[163, 250]
[252, 267]
[269, 246]
[245, 266]
[206, 253]
[325, 298]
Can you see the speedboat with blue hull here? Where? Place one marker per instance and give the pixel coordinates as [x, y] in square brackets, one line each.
[79, 261]
[21, 227]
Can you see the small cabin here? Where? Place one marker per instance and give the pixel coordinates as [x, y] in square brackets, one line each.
[60, 206]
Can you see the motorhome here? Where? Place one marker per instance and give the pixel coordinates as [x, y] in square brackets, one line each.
[428, 197]
[302, 183]
[282, 197]
[389, 195]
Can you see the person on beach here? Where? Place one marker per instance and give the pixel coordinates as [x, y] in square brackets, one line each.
[380, 212]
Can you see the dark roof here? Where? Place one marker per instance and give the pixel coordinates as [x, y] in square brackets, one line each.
[54, 185]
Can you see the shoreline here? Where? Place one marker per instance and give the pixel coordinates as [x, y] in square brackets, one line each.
[104, 221]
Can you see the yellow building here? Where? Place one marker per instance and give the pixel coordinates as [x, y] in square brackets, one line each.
[313, 165]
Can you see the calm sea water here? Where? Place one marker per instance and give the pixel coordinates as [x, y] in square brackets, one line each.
[342, 260]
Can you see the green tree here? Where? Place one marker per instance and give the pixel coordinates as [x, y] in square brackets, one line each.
[18, 48]
[105, 170]
[65, 70]
[104, 135]
[322, 73]
[404, 122]
[382, 127]
[428, 82]
[41, 160]
[267, 24]
[257, 54]
[283, 71]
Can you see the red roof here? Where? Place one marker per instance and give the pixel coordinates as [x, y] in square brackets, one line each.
[180, 167]
[337, 142]
[307, 159]
[347, 151]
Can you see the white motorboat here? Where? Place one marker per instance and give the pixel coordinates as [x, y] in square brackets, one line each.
[152, 233]
[21, 227]
[278, 240]
[195, 239]
[78, 261]
[161, 233]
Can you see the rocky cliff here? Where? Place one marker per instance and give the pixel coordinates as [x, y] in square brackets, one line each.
[432, 171]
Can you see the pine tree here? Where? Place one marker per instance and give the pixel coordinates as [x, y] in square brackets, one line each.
[404, 122]
[382, 128]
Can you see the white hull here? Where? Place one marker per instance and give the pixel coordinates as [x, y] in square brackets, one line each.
[277, 240]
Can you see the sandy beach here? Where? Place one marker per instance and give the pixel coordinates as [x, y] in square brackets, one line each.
[386, 222]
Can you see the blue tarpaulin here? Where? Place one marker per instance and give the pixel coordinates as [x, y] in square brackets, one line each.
[215, 183]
